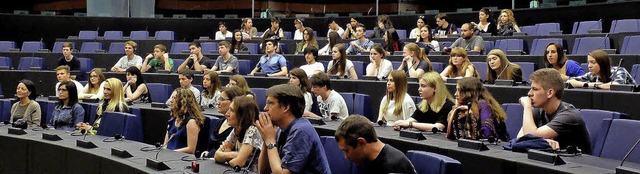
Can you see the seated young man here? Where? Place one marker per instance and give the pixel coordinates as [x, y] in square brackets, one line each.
[63, 75]
[271, 63]
[196, 61]
[358, 140]
[68, 58]
[330, 102]
[226, 62]
[186, 77]
[361, 44]
[297, 148]
[546, 115]
[159, 60]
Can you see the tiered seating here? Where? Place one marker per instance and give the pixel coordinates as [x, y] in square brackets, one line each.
[583, 27]
[87, 34]
[625, 25]
[112, 35]
[5, 46]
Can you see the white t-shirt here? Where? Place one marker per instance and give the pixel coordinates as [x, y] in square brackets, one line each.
[308, 101]
[334, 104]
[325, 50]
[385, 68]
[194, 90]
[78, 87]
[125, 63]
[340, 31]
[312, 68]
[298, 35]
[348, 66]
[220, 36]
[100, 92]
[408, 107]
[414, 33]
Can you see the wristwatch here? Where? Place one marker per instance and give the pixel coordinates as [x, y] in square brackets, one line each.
[271, 145]
[585, 85]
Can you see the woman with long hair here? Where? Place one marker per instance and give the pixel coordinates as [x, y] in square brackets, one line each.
[185, 123]
[499, 67]
[67, 112]
[136, 89]
[113, 101]
[93, 89]
[486, 23]
[350, 31]
[307, 41]
[426, 41]
[392, 41]
[334, 38]
[239, 81]
[26, 108]
[459, 65]
[248, 31]
[555, 58]
[507, 23]
[435, 106]
[415, 62]
[297, 77]
[211, 88]
[340, 65]
[397, 104]
[601, 73]
[379, 66]
[245, 142]
[237, 44]
[476, 115]
[415, 33]
[224, 129]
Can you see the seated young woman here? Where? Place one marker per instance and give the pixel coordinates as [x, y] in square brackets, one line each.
[415, 62]
[26, 108]
[340, 65]
[459, 65]
[67, 112]
[185, 123]
[94, 88]
[239, 81]
[601, 73]
[113, 101]
[435, 106]
[379, 66]
[211, 88]
[397, 104]
[135, 89]
[555, 58]
[499, 67]
[242, 147]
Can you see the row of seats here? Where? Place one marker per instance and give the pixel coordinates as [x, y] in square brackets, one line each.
[133, 35]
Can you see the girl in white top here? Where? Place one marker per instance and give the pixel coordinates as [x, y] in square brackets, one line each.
[297, 77]
[94, 88]
[211, 90]
[312, 67]
[340, 65]
[379, 66]
[298, 34]
[426, 40]
[334, 38]
[415, 33]
[397, 104]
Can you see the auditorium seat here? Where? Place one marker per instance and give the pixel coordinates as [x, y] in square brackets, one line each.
[199, 87]
[50, 106]
[164, 35]
[543, 29]
[584, 45]
[445, 44]
[116, 48]
[133, 125]
[583, 27]
[86, 65]
[593, 120]
[348, 99]
[433, 163]
[112, 35]
[91, 111]
[437, 66]
[625, 25]
[179, 47]
[585, 67]
[394, 64]
[283, 48]
[57, 47]
[87, 34]
[488, 46]
[208, 47]
[539, 46]
[509, 45]
[359, 67]
[362, 106]
[27, 62]
[527, 68]
[5, 110]
[214, 125]
[621, 136]
[5, 62]
[260, 94]
[43, 111]
[635, 72]
[337, 161]
[112, 123]
[481, 68]
[176, 64]
[203, 137]
[5, 46]
[514, 113]
[90, 47]
[402, 34]
[367, 33]
[630, 45]
[139, 35]
[32, 46]
[244, 66]
[287, 35]
[160, 92]
[530, 30]
[252, 48]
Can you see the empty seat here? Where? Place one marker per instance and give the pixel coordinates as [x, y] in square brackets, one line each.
[288, 35]
[283, 48]
[539, 46]
[630, 45]
[530, 30]
[514, 113]
[27, 62]
[488, 46]
[178, 47]
[362, 106]
[337, 162]
[90, 47]
[359, 67]
[593, 121]
[139, 35]
[625, 25]
[635, 72]
[7, 45]
[260, 94]
[112, 123]
[428, 162]
[31, 46]
[91, 109]
[87, 34]
[252, 48]
[133, 127]
[367, 33]
[402, 34]
[582, 46]
[112, 35]
[159, 92]
[176, 64]
[543, 29]
[510, 44]
[621, 136]
[208, 47]
[116, 48]
[5, 110]
[5, 62]
[348, 99]
[244, 66]
[527, 69]
[437, 66]
[445, 44]
[583, 27]
[481, 68]
[86, 64]
[164, 35]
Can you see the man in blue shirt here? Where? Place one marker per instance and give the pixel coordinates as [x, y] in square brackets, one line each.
[297, 147]
[362, 44]
[271, 63]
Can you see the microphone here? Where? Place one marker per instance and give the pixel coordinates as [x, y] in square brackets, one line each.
[368, 12]
[592, 25]
[435, 130]
[606, 38]
[382, 123]
[614, 73]
[628, 153]
[163, 146]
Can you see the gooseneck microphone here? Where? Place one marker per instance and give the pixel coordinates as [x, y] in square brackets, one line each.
[628, 153]
[614, 73]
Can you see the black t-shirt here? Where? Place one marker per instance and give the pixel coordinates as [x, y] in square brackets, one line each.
[432, 117]
[74, 64]
[446, 31]
[568, 123]
[204, 61]
[389, 160]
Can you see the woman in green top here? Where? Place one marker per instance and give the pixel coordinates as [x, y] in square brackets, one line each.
[113, 101]
[307, 40]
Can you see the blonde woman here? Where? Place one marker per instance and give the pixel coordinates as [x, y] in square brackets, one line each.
[94, 88]
[113, 101]
[415, 62]
[397, 104]
[459, 65]
[435, 106]
[507, 23]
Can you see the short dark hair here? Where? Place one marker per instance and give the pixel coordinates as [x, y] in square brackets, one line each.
[320, 79]
[442, 16]
[289, 95]
[313, 50]
[195, 43]
[275, 19]
[186, 72]
[354, 127]
[222, 23]
[274, 42]
[31, 87]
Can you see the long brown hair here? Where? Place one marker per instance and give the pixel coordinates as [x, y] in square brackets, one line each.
[312, 39]
[455, 72]
[185, 105]
[242, 83]
[393, 40]
[95, 88]
[472, 91]
[334, 39]
[604, 61]
[339, 65]
[215, 85]
[420, 53]
[246, 110]
[507, 73]
[302, 76]
[400, 81]
[562, 59]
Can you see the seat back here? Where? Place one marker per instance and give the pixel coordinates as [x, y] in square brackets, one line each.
[178, 47]
[445, 44]
[593, 120]
[488, 46]
[583, 27]
[91, 47]
[87, 34]
[510, 44]
[621, 136]
[27, 62]
[133, 129]
[337, 162]
[530, 30]
[176, 64]
[481, 67]
[543, 29]
[116, 48]
[635, 72]
[139, 35]
[5, 110]
[31, 46]
[112, 35]
[428, 162]
[288, 35]
[207, 47]
[394, 64]
[252, 48]
[7, 45]
[624, 25]
[437, 66]
[5, 62]
[514, 113]
[359, 67]
[244, 66]
[362, 105]
[283, 48]
[630, 45]
[203, 137]
[260, 94]
[164, 35]
[160, 92]
[527, 69]
[112, 123]
[348, 99]
[539, 46]
[402, 34]
[57, 47]
[582, 46]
